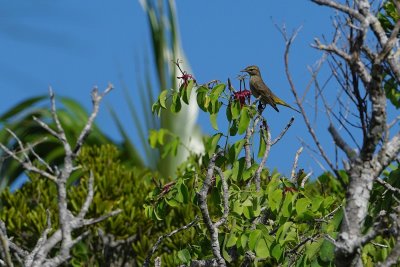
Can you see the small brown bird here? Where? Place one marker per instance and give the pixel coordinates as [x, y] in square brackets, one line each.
[260, 90]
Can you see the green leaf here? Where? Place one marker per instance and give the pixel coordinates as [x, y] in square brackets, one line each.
[22, 106]
[153, 138]
[184, 255]
[176, 103]
[186, 91]
[238, 208]
[255, 235]
[213, 120]
[249, 173]
[261, 249]
[244, 120]
[225, 253]
[228, 113]
[162, 98]
[214, 106]
[281, 233]
[172, 202]
[287, 205]
[156, 108]
[234, 128]
[235, 109]
[216, 91]
[237, 169]
[248, 212]
[243, 240]
[277, 252]
[183, 193]
[274, 199]
[247, 202]
[231, 240]
[262, 146]
[201, 97]
[235, 150]
[212, 143]
[313, 248]
[327, 252]
[316, 203]
[302, 205]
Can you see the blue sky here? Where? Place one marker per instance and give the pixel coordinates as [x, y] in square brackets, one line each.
[74, 45]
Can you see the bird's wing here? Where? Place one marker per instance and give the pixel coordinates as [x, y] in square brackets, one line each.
[266, 95]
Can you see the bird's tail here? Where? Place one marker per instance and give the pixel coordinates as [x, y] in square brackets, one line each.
[283, 103]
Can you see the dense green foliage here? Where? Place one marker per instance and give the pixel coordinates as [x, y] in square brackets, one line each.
[282, 223]
[116, 186]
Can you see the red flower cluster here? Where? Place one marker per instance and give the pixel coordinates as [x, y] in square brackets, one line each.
[186, 77]
[241, 96]
[166, 188]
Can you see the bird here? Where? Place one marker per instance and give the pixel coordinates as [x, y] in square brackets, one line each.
[260, 90]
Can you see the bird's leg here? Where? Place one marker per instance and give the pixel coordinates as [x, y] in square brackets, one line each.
[261, 107]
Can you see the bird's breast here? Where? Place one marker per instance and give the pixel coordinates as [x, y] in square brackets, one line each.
[253, 88]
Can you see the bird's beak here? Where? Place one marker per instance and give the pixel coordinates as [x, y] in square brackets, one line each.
[243, 70]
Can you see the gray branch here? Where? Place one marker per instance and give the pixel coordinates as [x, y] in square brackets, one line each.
[212, 228]
[367, 165]
[62, 237]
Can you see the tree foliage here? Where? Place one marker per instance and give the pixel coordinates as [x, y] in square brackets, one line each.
[224, 207]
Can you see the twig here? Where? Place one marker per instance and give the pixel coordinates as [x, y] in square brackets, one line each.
[304, 180]
[5, 246]
[350, 153]
[247, 149]
[150, 254]
[289, 41]
[96, 99]
[387, 185]
[62, 237]
[279, 137]
[296, 158]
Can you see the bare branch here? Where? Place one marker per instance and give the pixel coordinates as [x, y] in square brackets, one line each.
[62, 237]
[333, 49]
[5, 246]
[393, 123]
[389, 151]
[304, 180]
[96, 99]
[390, 43]
[202, 195]
[225, 198]
[247, 148]
[87, 222]
[60, 131]
[388, 186]
[289, 41]
[89, 197]
[279, 137]
[343, 8]
[339, 141]
[28, 165]
[39, 244]
[46, 127]
[296, 158]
